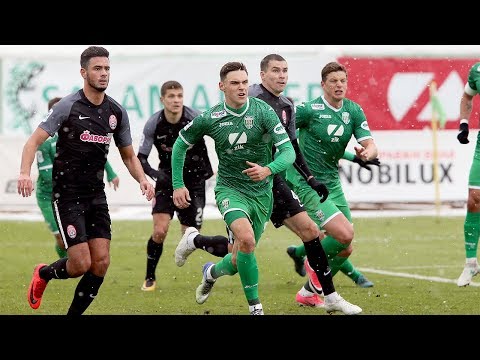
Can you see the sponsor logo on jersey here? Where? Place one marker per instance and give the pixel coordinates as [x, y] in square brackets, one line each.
[218, 114]
[226, 123]
[335, 130]
[87, 137]
[365, 126]
[71, 231]
[345, 117]
[185, 128]
[326, 116]
[242, 139]
[112, 121]
[248, 121]
[279, 129]
[318, 106]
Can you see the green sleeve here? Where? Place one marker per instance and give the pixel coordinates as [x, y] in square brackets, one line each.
[284, 158]
[178, 160]
[110, 173]
[347, 155]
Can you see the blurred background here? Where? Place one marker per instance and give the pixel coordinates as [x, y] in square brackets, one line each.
[391, 83]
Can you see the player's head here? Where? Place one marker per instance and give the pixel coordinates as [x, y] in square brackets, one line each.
[334, 81]
[53, 102]
[171, 96]
[95, 67]
[274, 73]
[234, 83]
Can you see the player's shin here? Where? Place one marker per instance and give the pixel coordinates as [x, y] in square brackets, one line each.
[318, 260]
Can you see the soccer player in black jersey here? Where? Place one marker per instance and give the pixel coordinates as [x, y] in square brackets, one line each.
[86, 122]
[161, 131]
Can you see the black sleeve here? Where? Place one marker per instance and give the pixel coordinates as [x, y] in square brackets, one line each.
[146, 166]
[300, 164]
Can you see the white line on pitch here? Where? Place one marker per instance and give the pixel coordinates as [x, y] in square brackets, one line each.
[413, 276]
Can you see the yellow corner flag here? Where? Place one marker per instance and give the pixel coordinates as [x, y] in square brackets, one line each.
[438, 113]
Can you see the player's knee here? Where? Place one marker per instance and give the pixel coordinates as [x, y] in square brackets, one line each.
[78, 267]
[345, 235]
[159, 233]
[310, 232]
[246, 243]
[473, 202]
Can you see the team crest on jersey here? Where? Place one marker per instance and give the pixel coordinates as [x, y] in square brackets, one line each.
[318, 106]
[112, 121]
[226, 203]
[284, 116]
[248, 121]
[71, 231]
[218, 114]
[345, 117]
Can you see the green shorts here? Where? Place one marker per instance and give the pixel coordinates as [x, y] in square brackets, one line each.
[319, 212]
[44, 202]
[256, 209]
[474, 177]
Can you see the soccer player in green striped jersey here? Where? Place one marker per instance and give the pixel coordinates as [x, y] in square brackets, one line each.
[244, 130]
[326, 125]
[472, 219]
[45, 156]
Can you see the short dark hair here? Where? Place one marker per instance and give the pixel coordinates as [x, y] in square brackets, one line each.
[171, 84]
[53, 102]
[268, 58]
[91, 52]
[333, 67]
[231, 66]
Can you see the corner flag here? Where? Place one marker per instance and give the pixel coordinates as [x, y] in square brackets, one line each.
[438, 112]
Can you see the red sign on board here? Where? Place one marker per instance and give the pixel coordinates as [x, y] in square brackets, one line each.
[394, 92]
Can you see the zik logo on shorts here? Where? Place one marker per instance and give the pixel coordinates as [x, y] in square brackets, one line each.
[83, 117]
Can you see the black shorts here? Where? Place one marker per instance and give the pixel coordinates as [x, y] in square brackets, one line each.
[191, 216]
[285, 202]
[82, 220]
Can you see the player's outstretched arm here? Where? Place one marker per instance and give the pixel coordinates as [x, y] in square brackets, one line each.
[364, 164]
